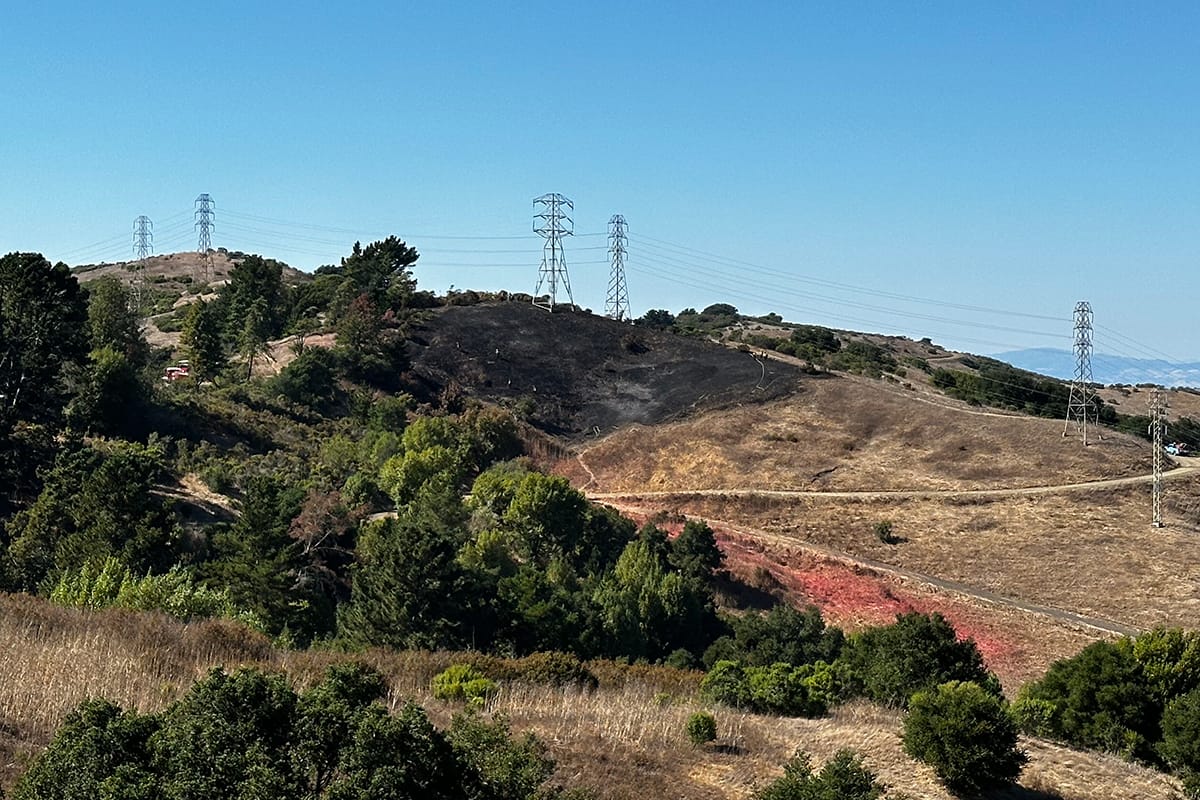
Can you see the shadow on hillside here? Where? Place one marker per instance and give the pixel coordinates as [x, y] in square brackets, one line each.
[736, 593]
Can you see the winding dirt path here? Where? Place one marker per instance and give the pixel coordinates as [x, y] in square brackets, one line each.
[919, 494]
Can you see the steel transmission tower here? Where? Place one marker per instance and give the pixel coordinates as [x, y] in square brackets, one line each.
[205, 211]
[143, 245]
[617, 305]
[1158, 423]
[1080, 402]
[553, 224]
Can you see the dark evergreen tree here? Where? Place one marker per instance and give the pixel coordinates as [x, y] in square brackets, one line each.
[201, 341]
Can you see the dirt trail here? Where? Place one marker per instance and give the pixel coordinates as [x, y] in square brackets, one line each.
[922, 494]
[1060, 615]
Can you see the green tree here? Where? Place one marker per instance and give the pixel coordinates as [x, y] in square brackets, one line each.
[647, 610]
[43, 331]
[252, 340]
[326, 719]
[201, 341]
[254, 281]
[408, 590]
[110, 396]
[310, 379]
[95, 504]
[548, 515]
[656, 318]
[255, 559]
[966, 734]
[1180, 746]
[695, 553]
[1170, 661]
[113, 323]
[842, 778]
[783, 634]
[382, 271]
[43, 342]
[99, 753]
[918, 651]
[1100, 699]
[228, 738]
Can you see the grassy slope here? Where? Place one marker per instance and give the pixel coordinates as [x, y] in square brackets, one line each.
[622, 739]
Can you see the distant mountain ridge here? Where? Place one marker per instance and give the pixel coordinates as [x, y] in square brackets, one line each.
[1105, 368]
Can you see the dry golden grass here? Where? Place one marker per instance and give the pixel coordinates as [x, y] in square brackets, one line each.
[1132, 400]
[625, 740]
[1093, 553]
[846, 434]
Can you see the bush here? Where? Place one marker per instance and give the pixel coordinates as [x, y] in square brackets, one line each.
[555, 669]
[884, 532]
[842, 778]
[250, 735]
[1181, 740]
[463, 683]
[701, 728]
[1097, 699]
[966, 735]
[310, 379]
[919, 651]
[782, 634]
[804, 691]
[726, 683]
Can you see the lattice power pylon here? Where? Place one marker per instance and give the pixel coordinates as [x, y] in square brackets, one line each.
[143, 246]
[617, 305]
[1081, 405]
[206, 210]
[553, 224]
[1158, 424]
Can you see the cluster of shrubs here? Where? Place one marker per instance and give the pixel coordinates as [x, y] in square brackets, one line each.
[788, 662]
[249, 734]
[1139, 697]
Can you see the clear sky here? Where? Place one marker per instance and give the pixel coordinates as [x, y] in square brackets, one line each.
[1008, 156]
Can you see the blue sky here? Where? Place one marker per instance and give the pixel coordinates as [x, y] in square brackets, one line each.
[1015, 157]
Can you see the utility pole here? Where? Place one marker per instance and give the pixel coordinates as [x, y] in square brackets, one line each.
[617, 305]
[1158, 423]
[205, 212]
[143, 245]
[1080, 402]
[553, 224]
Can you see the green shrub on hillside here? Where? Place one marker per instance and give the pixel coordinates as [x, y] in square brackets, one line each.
[888, 664]
[804, 691]
[111, 584]
[1098, 699]
[249, 735]
[966, 734]
[463, 683]
[842, 778]
[701, 728]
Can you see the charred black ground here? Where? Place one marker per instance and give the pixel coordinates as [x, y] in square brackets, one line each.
[572, 372]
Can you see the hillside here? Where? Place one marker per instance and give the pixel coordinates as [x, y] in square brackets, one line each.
[845, 433]
[573, 373]
[623, 740]
[381, 487]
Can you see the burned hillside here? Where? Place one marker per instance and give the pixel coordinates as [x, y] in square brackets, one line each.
[571, 373]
